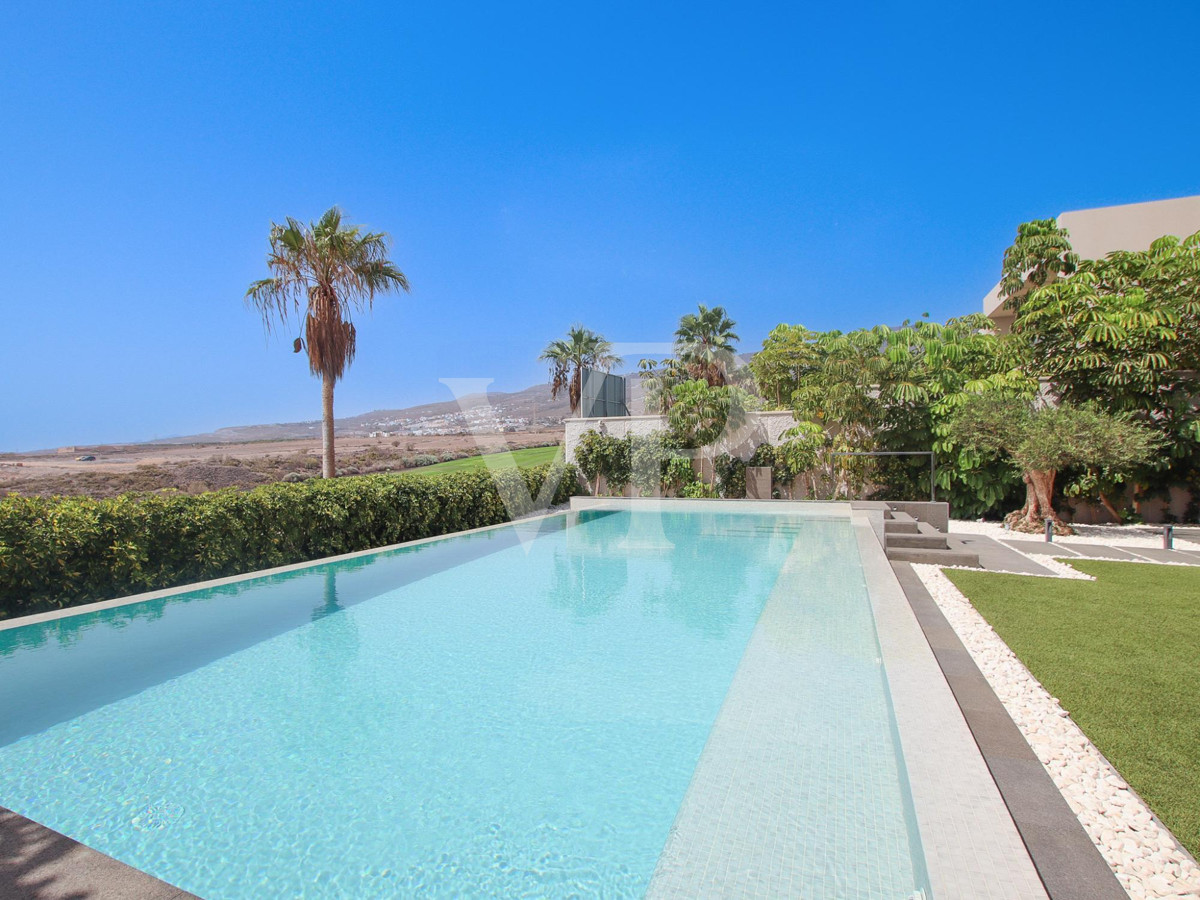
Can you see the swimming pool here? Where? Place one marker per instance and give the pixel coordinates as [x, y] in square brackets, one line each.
[494, 714]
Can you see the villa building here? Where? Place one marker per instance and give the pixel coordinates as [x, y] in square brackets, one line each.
[1097, 232]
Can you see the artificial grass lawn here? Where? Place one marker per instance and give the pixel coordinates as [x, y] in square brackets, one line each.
[1122, 655]
[530, 456]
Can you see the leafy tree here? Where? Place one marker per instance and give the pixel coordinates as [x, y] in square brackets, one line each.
[797, 455]
[1040, 255]
[1124, 332]
[730, 476]
[324, 271]
[704, 345]
[678, 474]
[602, 455]
[1040, 441]
[701, 413]
[583, 349]
[659, 379]
[888, 389]
[649, 456]
[788, 356]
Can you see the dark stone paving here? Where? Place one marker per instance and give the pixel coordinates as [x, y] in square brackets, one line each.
[1098, 551]
[1067, 861]
[1068, 550]
[1188, 557]
[996, 557]
[39, 864]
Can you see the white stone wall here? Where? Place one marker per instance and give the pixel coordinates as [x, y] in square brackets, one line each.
[761, 428]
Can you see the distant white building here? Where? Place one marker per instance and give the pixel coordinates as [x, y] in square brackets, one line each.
[1094, 233]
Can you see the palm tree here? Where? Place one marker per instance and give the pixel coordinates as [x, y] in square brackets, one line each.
[704, 344]
[324, 270]
[583, 349]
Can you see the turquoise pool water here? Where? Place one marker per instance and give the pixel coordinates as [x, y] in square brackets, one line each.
[478, 716]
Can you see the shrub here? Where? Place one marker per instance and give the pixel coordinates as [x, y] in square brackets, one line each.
[425, 459]
[697, 490]
[731, 476]
[649, 455]
[604, 455]
[64, 551]
[678, 475]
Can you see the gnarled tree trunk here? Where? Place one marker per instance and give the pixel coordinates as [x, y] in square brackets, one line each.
[1111, 507]
[1031, 518]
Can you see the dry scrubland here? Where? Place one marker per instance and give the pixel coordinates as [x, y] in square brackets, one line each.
[195, 468]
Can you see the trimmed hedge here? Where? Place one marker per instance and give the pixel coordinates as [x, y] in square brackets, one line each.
[65, 551]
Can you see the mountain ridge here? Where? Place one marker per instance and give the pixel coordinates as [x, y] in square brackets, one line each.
[496, 411]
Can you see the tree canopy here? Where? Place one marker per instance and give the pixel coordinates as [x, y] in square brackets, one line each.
[1098, 377]
[1040, 440]
[582, 349]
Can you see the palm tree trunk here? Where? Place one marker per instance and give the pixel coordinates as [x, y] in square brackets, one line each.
[328, 470]
[575, 392]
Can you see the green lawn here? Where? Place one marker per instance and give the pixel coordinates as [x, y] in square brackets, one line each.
[1122, 655]
[530, 456]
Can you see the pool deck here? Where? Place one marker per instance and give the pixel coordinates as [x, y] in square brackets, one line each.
[989, 818]
[39, 864]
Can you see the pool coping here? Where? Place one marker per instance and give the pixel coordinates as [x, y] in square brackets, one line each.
[38, 863]
[98, 605]
[973, 848]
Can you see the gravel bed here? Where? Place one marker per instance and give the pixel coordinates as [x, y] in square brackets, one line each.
[1144, 855]
[1103, 535]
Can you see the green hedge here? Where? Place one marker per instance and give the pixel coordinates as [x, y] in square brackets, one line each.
[64, 551]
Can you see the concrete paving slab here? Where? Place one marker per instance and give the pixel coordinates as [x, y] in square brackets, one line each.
[1098, 551]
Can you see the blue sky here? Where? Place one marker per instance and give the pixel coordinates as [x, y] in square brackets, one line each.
[538, 165]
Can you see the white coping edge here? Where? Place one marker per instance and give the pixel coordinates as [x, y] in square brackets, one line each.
[972, 848]
[816, 508]
[97, 606]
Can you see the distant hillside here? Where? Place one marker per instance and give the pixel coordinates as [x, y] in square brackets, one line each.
[493, 412]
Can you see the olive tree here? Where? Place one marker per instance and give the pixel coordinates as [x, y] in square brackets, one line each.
[1040, 441]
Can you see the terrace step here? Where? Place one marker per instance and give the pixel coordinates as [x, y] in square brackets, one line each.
[899, 523]
[943, 557]
[934, 541]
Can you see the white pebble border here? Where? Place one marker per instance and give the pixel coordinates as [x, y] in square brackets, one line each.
[1144, 855]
